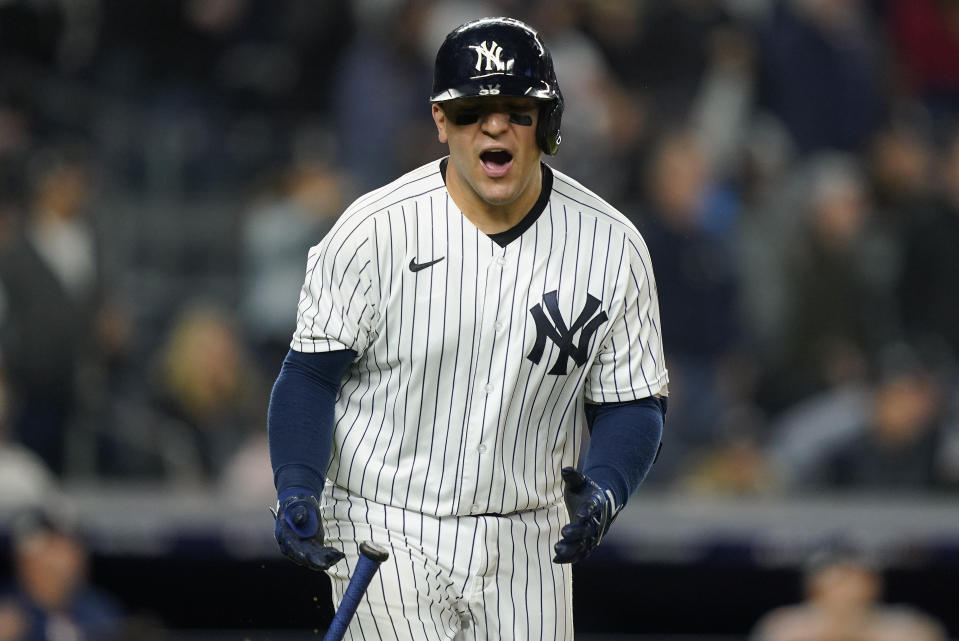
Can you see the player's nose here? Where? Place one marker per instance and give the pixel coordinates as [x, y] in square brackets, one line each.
[494, 122]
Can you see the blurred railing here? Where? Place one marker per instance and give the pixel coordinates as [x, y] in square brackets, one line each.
[655, 526]
[693, 562]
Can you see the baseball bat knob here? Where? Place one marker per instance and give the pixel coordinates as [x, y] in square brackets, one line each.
[373, 552]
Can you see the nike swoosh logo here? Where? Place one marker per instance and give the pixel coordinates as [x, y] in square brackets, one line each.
[415, 266]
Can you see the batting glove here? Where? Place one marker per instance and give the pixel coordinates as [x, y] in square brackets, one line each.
[591, 510]
[299, 533]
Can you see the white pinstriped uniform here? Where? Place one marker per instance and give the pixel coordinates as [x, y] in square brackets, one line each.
[466, 397]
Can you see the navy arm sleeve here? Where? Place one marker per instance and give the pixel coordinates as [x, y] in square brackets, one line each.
[624, 441]
[300, 418]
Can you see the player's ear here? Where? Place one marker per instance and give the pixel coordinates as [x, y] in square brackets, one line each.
[439, 117]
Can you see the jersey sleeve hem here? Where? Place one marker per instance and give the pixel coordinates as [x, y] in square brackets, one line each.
[318, 346]
[656, 387]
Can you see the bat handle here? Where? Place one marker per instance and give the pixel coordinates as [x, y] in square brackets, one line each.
[371, 557]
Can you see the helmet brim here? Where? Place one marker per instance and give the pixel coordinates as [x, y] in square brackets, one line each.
[497, 84]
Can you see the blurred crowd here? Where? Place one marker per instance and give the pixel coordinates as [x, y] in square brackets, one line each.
[793, 166]
[49, 596]
[842, 598]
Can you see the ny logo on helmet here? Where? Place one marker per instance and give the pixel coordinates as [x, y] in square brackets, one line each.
[491, 54]
[554, 328]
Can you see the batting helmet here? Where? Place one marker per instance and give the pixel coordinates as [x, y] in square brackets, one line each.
[501, 57]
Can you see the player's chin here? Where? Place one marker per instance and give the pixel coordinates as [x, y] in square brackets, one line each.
[498, 191]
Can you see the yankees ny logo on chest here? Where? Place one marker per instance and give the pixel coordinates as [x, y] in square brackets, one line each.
[554, 328]
[491, 54]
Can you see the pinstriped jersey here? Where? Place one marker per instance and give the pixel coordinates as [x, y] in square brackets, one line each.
[474, 361]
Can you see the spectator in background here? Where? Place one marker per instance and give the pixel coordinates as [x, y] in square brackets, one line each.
[821, 73]
[887, 436]
[600, 121]
[51, 598]
[50, 281]
[839, 291]
[806, 433]
[896, 449]
[842, 591]
[282, 221]
[617, 26]
[204, 395]
[722, 109]
[697, 287]
[764, 230]
[900, 165]
[207, 391]
[378, 91]
[662, 47]
[929, 286]
[737, 463]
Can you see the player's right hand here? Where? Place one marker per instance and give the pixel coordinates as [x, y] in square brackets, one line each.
[299, 533]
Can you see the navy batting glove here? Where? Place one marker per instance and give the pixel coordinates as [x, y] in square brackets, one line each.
[591, 511]
[298, 530]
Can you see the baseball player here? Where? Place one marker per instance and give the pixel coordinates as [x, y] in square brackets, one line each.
[457, 331]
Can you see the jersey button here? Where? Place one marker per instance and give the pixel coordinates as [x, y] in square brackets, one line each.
[481, 449]
[489, 387]
[498, 326]
[500, 260]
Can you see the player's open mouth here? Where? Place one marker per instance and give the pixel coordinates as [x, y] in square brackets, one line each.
[496, 162]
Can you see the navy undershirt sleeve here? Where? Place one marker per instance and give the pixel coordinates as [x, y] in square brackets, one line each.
[624, 441]
[300, 418]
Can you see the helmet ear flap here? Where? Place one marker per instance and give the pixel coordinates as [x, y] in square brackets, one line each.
[548, 135]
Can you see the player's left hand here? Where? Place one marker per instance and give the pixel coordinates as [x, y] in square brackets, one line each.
[591, 510]
[299, 533]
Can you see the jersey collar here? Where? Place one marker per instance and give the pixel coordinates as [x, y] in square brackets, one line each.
[504, 238]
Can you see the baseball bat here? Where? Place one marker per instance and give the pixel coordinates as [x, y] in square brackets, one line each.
[371, 556]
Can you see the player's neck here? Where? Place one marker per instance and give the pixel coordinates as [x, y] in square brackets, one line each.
[490, 218]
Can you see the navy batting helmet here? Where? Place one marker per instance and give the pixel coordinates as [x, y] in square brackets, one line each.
[500, 57]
